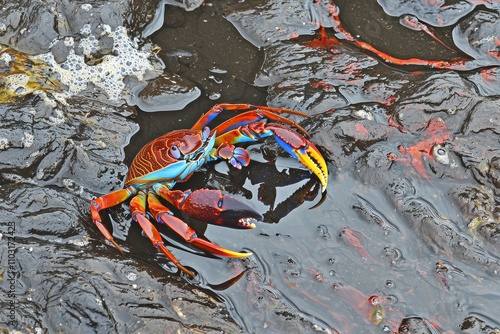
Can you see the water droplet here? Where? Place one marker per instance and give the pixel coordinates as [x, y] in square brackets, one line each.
[440, 154]
[214, 79]
[214, 96]
[323, 232]
[294, 272]
[217, 70]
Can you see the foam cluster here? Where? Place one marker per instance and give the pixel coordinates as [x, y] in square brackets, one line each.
[108, 73]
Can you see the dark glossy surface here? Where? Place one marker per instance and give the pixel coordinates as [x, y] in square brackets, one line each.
[406, 239]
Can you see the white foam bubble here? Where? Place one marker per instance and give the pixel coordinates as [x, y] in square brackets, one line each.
[6, 58]
[28, 139]
[109, 73]
[17, 84]
[86, 6]
[4, 144]
[86, 29]
[69, 41]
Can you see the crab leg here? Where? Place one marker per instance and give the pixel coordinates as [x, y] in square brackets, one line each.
[256, 116]
[138, 209]
[105, 202]
[295, 144]
[252, 114]
[163, 215]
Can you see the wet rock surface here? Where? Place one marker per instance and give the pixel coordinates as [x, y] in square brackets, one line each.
[405, 240]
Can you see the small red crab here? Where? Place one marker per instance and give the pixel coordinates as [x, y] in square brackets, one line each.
[175, 156]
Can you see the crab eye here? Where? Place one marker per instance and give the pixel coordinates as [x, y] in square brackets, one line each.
[205, 133]
[174, 152]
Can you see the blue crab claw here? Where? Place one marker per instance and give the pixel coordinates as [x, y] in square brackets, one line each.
[303, 150]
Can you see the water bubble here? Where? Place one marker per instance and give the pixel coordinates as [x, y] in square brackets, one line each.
[214, 96]
[323, 231]
[392, 299]
[214, 79]
[394, 254]
[390, 284]
[294, 272]
[440, 154]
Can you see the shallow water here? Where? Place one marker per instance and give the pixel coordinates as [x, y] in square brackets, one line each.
[406, 239]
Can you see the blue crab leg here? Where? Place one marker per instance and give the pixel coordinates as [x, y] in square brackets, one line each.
[138, 209]
[107, 201]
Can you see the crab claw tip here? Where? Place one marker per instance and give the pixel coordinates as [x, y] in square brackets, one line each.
[314, 161]
[247, 223]
[117, 246]
[216, 249]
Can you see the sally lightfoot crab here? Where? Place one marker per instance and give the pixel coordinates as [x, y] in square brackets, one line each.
[175, 156]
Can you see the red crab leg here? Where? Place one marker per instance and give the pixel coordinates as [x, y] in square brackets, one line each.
[163, 215]
[462, 64]
[107, 201]
[138, 209]
[252, 114]
[255, 116]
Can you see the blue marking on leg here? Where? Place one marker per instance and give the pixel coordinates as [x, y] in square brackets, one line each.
[286, 146]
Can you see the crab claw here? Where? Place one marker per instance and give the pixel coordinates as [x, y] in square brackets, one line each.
[303, 150]
[212, 206]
